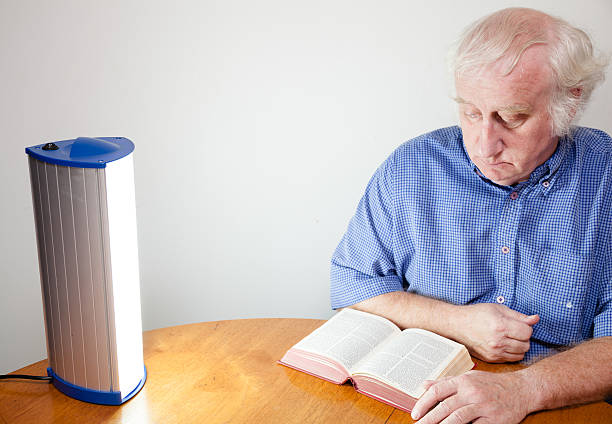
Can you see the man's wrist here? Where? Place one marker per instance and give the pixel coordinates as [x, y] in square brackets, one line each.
[530, 390]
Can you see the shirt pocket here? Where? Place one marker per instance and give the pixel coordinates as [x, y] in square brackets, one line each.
[557, 287]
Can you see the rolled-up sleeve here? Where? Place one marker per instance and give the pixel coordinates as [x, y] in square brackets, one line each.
[362, 265]
[602, 325]
[603, 319]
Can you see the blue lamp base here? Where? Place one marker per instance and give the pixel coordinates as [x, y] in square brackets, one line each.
[94, 396]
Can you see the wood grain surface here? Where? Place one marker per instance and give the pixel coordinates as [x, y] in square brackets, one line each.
[227, 372]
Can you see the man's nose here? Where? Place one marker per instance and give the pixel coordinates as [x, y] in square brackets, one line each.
[490, 143]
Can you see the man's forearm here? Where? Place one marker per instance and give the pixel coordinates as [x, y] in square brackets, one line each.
[491, 332]
[409, 310]
[579, 375]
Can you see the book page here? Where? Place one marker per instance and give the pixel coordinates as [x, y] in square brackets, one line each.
[405, 361]
[348, 336]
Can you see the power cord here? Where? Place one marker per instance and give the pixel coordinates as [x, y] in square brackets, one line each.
[26, 377]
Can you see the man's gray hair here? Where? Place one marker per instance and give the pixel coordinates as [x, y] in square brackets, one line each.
[507, 33]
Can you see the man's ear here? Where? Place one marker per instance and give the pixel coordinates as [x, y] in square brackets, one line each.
[576, 91]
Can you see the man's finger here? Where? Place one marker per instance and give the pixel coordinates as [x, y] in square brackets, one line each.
[428, 383]
[436, 393]
[518, 330]
[513, 357]
[516, 346]
[441, 411]
[527, 319]
[465, 414]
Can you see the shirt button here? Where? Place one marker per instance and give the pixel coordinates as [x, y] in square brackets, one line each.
[569, 304]
[545, 184]
[500, 299]
[505, 250]
[513, 195]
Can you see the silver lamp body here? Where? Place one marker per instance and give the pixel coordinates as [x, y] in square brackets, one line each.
[88, 257]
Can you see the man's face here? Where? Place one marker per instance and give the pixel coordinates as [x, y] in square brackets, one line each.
[505, 122]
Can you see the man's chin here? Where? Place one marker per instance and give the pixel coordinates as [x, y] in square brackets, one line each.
[499, 174]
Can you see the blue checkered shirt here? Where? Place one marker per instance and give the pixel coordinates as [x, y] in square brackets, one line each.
[431, 223]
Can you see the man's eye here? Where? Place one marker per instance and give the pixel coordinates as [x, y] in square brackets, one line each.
[512, 121]
[472, 115]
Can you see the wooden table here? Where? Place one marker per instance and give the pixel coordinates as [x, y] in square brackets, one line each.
[226, 372]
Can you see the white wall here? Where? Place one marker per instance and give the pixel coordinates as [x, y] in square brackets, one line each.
[257, 125]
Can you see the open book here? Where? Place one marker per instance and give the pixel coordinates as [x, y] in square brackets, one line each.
[382, 361]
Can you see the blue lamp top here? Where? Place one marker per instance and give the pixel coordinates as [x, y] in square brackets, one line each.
[83, 152]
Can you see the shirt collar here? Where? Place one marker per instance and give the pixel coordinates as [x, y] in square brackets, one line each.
[544, 175]
[547, 172]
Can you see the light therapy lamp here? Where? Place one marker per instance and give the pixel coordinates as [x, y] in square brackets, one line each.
[85, 214]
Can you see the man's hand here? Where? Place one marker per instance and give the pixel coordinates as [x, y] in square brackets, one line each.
[494, 333]
[477, 396]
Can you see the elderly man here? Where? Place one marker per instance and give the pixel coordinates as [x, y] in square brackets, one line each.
[498, 233]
